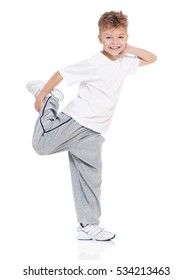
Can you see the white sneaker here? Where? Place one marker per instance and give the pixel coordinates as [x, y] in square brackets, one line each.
[35, 87]
[94, 232]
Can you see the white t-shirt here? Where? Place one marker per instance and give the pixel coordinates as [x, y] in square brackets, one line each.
[100, 82]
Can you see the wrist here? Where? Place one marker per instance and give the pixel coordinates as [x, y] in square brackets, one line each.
[41, 95]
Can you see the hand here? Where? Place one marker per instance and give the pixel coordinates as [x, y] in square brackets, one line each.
[126, 50]
[39, 103]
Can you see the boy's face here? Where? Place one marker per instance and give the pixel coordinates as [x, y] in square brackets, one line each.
[114, 41]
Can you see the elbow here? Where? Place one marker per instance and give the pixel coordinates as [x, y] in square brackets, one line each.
[58, 76]
[153, 58]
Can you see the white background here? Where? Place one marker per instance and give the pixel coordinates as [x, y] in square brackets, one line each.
[147, 155]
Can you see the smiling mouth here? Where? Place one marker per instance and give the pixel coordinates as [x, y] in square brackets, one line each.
[114, 48]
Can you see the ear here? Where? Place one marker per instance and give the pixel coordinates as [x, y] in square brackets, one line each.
[100, 39]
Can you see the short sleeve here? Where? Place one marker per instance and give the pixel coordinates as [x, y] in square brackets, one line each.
[130, 64]
[77, 73]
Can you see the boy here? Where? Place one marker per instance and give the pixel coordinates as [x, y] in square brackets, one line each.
[79, 127]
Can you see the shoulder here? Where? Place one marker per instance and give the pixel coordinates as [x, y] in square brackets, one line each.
[130, 63]
[129, 58]
[91, 61]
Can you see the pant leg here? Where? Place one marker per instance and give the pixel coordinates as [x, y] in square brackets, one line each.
[54, 133]
[86, 173]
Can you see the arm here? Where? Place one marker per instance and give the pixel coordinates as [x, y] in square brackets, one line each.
[52, 82]
[145, 56]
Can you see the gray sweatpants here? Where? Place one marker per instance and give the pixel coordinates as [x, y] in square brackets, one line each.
[58, 132]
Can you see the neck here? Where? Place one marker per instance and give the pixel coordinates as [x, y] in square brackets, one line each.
[111, 57]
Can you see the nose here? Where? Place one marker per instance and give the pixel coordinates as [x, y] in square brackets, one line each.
[115, 41]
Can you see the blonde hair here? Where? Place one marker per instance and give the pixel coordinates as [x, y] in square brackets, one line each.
[112, 20]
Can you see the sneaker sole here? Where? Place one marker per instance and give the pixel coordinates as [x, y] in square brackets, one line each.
[30, 85]
[85, 239]
[56, 93]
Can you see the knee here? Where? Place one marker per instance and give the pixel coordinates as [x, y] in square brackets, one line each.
[39, 149]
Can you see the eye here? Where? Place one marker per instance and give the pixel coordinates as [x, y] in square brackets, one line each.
[108, 37]
[121, 37]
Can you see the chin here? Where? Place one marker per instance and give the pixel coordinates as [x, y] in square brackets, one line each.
[114, 53]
